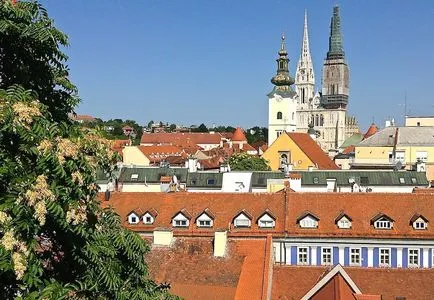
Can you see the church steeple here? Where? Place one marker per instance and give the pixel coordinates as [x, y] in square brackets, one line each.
[335, 85]
[336, 46]
[282, 80]
[304, 76]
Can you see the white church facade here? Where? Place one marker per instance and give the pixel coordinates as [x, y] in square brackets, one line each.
[326, 111]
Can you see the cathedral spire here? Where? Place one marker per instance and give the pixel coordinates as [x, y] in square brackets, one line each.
[336, 46]
[305, 51]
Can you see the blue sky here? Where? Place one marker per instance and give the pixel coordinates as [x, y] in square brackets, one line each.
[192, 62]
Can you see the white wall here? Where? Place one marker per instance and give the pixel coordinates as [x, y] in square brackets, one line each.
[237, 182]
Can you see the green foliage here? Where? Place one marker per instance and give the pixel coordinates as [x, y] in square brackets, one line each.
[202, 128]
[257, 135]
[56, 242]
[246, 162]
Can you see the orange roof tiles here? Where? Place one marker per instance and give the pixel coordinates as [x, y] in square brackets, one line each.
[180, 138]
[361, 207]
[293, 282]
[312, 150]
[162, 150]
[239, 135]
[373, 129]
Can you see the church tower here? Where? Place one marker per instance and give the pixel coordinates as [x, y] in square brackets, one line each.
[335, 80]
[282, 103]
[304, 76]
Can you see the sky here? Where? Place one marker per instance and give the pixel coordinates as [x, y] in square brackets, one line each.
[190, 62]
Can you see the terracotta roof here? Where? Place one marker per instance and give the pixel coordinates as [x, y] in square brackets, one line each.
[224, 206]
[239, 135]
[181, 138]
[118, 145]
[373, 129]
[293, 282]
[164, 150]
[349, 149]
[192, 271]
[362, 207]
[312, 150]
[83, 118]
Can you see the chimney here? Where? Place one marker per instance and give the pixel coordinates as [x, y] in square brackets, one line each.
[331, 184]
[295, 182]
[162, 237]
[220, 241]
[107, 195]
[192, 164]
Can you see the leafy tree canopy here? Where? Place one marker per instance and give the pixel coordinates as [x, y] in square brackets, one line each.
[55, 240]
[246, 162]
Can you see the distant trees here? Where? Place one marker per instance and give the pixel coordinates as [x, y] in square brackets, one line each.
[247, 162]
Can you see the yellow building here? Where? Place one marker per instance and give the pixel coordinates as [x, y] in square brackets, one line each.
[419, 121]
[404, 147]
[149, 155]
[299, 150]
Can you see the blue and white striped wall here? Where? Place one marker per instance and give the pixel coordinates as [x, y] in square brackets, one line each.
[286, 252]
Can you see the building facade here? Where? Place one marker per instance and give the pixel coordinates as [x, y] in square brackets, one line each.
[326, 111]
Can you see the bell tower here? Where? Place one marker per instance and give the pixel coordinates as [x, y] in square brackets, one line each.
[335, 81]
[282, 103]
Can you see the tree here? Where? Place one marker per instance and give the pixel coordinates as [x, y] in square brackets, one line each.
[201, 128]
[150, 123]
[56, 241]
[246, 162]
[172, 127]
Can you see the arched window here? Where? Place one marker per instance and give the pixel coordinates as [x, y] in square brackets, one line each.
[321, 120]
[293, 116]
[279, 115]
[316, 120]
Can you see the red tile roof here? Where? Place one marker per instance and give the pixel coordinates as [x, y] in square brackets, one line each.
[362, 207]
[312, 150]
[373, 129]
[181, 138]
[239, 135]
[349, 149]
[83, 118]
[118, 145]
[166, 150]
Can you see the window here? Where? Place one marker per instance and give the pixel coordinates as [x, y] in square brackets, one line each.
[420, 224]
[355, 254]
[180, 220]
[413, 257]
[242, 221]
[302, 255]
[400, 156]
[133, 218]
[279, 115]
[204, 220]
[401, 180]
[180, 223]
[308, 222]
[422, 156]
[135, 176]
[293, 116]
[210, 181]
[266, 221]
[326, 256]
[413, 180]
[383, 223]
[344, 223]
[316, 180]
[204, 223]
[148, 218]
[384, 257]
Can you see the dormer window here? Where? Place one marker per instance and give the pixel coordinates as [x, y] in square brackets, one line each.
[134, 176]
[205, 219]
[148, 219]
[343, 221]
[133, 218]
[419, 222]
[267, 220]
[381, 221]
[181, 219]
[308, 220]
[243, 219]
